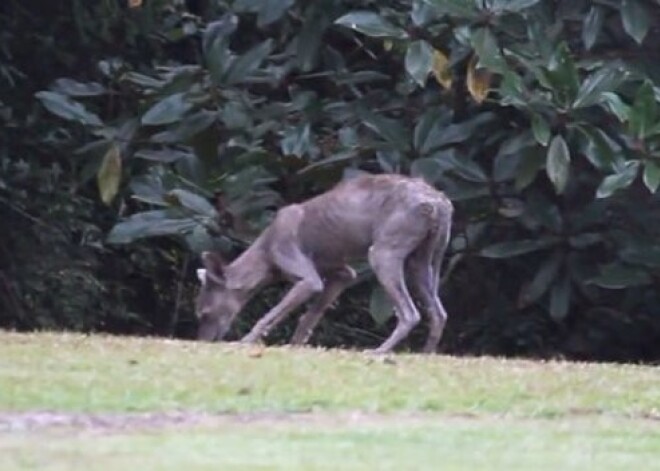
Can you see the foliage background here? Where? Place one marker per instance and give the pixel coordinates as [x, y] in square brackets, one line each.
[136, 134]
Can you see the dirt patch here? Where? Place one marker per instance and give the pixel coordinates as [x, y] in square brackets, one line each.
[74, 421]
[29, 421]
[126, 422]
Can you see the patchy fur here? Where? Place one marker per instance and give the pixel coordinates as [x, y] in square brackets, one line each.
[400, 224]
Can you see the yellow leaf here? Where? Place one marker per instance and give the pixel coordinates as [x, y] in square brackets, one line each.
[441, 70]
[109, 174]
[388, 44]
[478, 81]
[134, 3]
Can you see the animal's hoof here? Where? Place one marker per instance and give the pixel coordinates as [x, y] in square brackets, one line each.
[381, 356]
[379, 351]
[249, 339]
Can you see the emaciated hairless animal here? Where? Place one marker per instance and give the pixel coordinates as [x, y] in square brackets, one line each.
[400, 224]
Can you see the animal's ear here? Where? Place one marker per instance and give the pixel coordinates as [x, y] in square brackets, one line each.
[214, 267]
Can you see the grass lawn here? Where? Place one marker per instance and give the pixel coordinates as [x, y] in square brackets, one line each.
[303, 408]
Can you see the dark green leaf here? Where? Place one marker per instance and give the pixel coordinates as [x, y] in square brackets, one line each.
[199, 240]
[310, 39]
[340, 157]
[651, 175]
[558, 163]
[618, 181]
[218, 59]
[236, 116]
[464, 9]
[641, 253]
[245, 65]
[144, 81]
[422, 13]
[505, 166]
[65, 107]
[519, 247]
[563, 75]
[600, 150]
[272, 10]
[511, 154]
[444, 135]
[419, 61]
[462, 190]
[149, 188]
[541, 129]
[542, 213]
[485, 45]
[539, 285]
[148, 224]
[560, 298]
[513, 6]
[219, 29]
[371, 24]
[587, 239]
[606, 79]
[643, 112]
[619, 276]
[391, 130]
[389, 160]
[297, 141]
[654, 131]
[67, 86]
[165, 156]
[430, 169]
[195, 203]
[268, 11]
[513, 91]
[348, 137]
[636, 19]
[511, 207]
[465, 167]
[531, 163]
[431, 121]
[358, 77]
[615, 105]
[168, 110]
[517, 143]
[380, 305]
[188, 127]
[215, 45]
[592, 26]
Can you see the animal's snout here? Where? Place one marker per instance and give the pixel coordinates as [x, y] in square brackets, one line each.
[208, 327]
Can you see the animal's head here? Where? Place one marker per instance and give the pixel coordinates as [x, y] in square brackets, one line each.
[218, 302]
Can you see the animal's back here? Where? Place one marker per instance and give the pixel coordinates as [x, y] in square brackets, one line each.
[340, 224]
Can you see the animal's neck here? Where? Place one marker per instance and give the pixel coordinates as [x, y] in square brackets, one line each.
[250, 270]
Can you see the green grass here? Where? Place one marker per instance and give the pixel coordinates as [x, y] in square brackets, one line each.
[97, 373]
[439, 443]
[416, 412]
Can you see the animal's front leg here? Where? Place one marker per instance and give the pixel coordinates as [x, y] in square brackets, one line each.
[291, 261]
[335, 284]
[301, 292]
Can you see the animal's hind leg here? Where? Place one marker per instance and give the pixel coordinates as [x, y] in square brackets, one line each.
[387, 264]
[396, 239]
[423, 268]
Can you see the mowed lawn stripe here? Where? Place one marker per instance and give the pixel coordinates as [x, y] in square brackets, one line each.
[97, 373]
